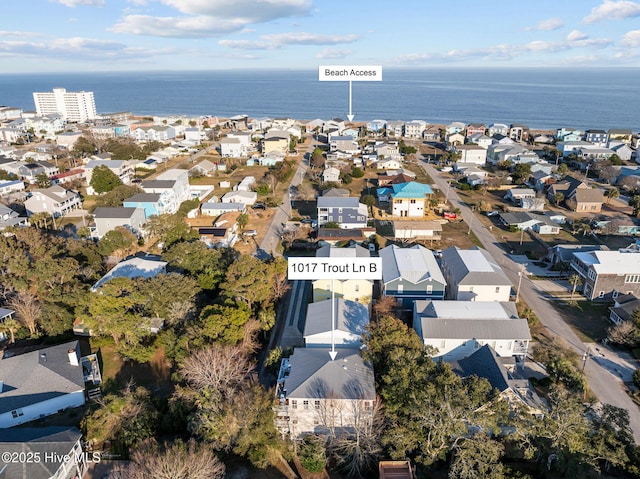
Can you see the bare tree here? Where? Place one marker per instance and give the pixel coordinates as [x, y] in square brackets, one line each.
[218, 367]
[180, 310]
[174, 461]
[385, 306]
[624, 334]
[27, 310]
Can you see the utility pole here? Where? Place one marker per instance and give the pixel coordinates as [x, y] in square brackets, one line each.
[585, 357]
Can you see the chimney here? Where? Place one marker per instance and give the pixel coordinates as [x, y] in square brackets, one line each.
[73, 357]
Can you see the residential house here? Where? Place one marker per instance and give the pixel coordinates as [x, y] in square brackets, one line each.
[431, 133]
[497, 129]
[457, 329]
[316, 394]
[479, 139]
[387, 150]
[414, 129]
[516, 195]
[533, 204]
[223, 234]
[608, 274]
[487, 364]
[57, 453]
[11, 218]
[336, 192]
[417, 230]
[40, 383]
[546, 226]
[593, 154]
[348, 213]
[519, 220]
[585, 200]
[454, 139]
[390, 179]
[389, 164]
[151, 203]
[246, 184]
[455, 127]
[344, 143]
[68, 177]
[216, 208]
[231, 148]
[334, 236]
[5, 314]
[540, 180]
[571, 147]
[562, 254]
[337, 321]
[55, 200]
[247, 198]
[360, 290]
[331, 174]
[376, 126]
[473, 275]
[568, 134]
[274, 145]
[472, 154]
[518, 132]
[181, 189]
[625, 308]
[107, 219]
[409, 274]
[623, 135]
[205, 167]
[29, 172]
[122, 169]
[11, 186]
[154, 133]
[136, 267]
[476, 129]
[567, 188]
[623, 151]
[597, 137]
[395, 128]
[409, 199]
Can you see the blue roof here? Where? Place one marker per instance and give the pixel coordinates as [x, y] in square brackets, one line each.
[411, 190]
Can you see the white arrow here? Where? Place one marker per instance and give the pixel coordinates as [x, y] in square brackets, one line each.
[333, 353]
[350, 115]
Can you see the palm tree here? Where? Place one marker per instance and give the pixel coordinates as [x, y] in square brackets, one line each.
[574, 280]
[10, 325]
[612, 194]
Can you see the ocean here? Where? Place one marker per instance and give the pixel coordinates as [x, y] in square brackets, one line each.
[539, 98]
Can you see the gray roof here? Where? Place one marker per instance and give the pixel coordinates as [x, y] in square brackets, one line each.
[116, 212]
[351, 251]
[338, 202]
[480, 329]
[55, 441]
[152, 184]
[6, 312]
[415, 264]
[466, 309]
[351, 317]
[144, 198]
[335, 192]
[515, 218]
[133, 268]
[37, 376]
[474, 266]
[484, 364]
[314, 375]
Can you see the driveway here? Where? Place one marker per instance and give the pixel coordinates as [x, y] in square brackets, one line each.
[605, 375]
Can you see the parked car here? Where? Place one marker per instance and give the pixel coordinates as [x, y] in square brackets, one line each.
[492, 213]
[250, 233]
[259, 206]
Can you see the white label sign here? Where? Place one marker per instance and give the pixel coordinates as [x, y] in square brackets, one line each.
[350, 73]
[334, 268]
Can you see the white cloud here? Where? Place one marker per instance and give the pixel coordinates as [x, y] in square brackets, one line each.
[138, 2]
[576, 35]
[547, 25]
[631, 39]
[304, 38]
[332, 54]
[177, 27]
[278, 40]
[74, 47]
[75, 3]
[249, 11]
[613, 10]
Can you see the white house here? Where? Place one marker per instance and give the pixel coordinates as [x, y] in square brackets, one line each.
[473, 275]
[458, 328]
[40, 383]
[472, 154]
[55, 200]
[331, 174]
[232, 148]
[216, 208]
[181, 188]
[243, 197]
[107, 219]
[350, 320]
[360, 290]
[133, 268]
[316, 395]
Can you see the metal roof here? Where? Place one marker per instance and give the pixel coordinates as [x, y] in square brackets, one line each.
[351, 251]
[351, 317]
[474, 266]
[480, 329]
[415, 264]
[466, 309]
[115, 212]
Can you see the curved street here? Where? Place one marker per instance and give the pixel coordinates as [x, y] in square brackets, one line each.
[603, 377]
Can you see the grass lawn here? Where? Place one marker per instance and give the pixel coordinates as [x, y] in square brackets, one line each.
[588, 320]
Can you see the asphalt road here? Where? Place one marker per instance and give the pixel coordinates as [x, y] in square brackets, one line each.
[603, 372]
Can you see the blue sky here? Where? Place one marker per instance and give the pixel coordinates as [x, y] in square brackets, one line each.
[120, 35]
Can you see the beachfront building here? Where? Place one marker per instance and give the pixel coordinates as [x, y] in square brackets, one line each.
[608, 274]
[73, 106]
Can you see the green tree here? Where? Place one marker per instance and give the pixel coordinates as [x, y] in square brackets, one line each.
[116, 197]
[170, 229]
[521, 172]
[558, 198]
[104, 180]
[248, 280]
[563, 170]
[317, 158]
[118, 239]
[164, 291]
[43, 181]
[243, 220]
[208, 266]
[634, 202]
[4, 175]
[357, 172]
[223, 323]
[612, 194]
[10, 326]
[312, 453]
[477, 457]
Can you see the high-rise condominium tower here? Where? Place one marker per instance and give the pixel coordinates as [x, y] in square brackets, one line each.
[73, 106]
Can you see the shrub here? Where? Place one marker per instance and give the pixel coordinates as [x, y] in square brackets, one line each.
[312, 454]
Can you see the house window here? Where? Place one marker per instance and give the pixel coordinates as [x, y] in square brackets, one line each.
[413, 202]
[509, 344]
[339, 210]
[339, 219]
[615, 294]
[400, 288]
[294, 421]
[17, 413]
[429, 289]
[316, 422]
[632, 278]
[368, 406]
[357, 288]
[305, 404]
[294, 404]
[443, 343]
[592, 274]
[316, 404]
[497, 289]
[600, 294]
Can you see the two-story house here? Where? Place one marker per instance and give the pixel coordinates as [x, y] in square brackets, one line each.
[409, 274]
[471, 154]
[597, 137]
[608, 274]
[340, 322]
[456, 329]
[348, 212]
[122, 169]
[409, 199]
[107, 219]
[55, 200]
[360, 290]
[316, 395]
[473, 275]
